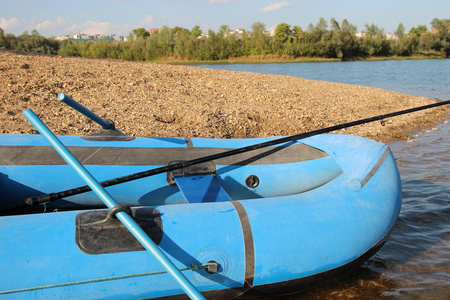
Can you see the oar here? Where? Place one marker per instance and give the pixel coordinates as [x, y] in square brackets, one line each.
[88, 113]
[124, 217]
[67, 193]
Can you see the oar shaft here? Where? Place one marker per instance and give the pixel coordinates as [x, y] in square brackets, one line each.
[124, 217]
[172, 167]
[88, 113]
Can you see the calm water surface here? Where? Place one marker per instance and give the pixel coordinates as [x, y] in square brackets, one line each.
[428, 77]
[415, 261]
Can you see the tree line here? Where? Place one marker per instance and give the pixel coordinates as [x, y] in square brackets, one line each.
[324, 40]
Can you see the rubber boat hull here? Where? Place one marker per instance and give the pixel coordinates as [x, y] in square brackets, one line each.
[29, 167]
[294, 231]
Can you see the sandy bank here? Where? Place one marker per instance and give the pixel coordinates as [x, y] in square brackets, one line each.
[164, 100]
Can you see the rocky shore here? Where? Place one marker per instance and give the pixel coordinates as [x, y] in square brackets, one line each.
[147, 99]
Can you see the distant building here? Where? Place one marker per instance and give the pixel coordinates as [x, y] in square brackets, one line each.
[388, 36]
[237, 32]
[391, 36]
[154, 31]
[114, 37]
[269, 33]
[63, 37]
[81, 37]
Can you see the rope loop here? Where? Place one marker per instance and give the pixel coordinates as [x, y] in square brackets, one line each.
[193, 267]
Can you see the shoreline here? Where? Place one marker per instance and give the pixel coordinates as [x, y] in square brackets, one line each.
[275, 59]
[149, 99]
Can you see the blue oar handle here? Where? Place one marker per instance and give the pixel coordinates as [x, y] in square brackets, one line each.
[125, 218]
[91, 115]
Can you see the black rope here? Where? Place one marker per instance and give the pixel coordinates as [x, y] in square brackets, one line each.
[67, 193]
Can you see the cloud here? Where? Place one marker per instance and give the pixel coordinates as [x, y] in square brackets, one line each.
[275, 6]
[104, 28]
[148, 20]
[50, 24]
[62, 25]
[42, 26]
[8, 24]
[218, 1]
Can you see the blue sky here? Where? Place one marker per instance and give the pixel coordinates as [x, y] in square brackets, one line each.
[57, 17]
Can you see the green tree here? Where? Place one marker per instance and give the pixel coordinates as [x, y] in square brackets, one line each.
[166, 40]
[224, 31]
[442, 26]
[297, 33]
[31, 43]
[321, 26]
[69, 48]
[348, 27]
[176, 30]
[258, 40]
[317, 31]
[400, 31]
[227, 40]
[3, 43]
[374, 42]
[337, 40]
[349, 46]
[403, 46]
[181, 40]
[215, 46]
[138, 49]
[334, 24]
[429, 43]
[140, 33]
[196, 32]
[100, 49]
[373, 29]
[235, 46]
[283, 32]
[152, 49]
[420, 29]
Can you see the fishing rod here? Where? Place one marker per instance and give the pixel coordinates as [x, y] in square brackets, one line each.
[34, 201]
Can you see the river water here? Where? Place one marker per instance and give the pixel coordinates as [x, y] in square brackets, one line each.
[415, 261]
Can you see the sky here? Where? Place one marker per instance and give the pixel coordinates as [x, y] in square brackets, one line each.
[120, 17]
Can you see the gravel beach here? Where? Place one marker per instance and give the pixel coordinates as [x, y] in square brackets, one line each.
[146, 99]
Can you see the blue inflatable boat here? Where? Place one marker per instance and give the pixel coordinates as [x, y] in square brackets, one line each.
[270, 221]
[286, 218]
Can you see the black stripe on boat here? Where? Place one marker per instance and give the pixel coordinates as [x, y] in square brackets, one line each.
[248, 244]
[189, 143]
[134, 156]
[376, 167]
